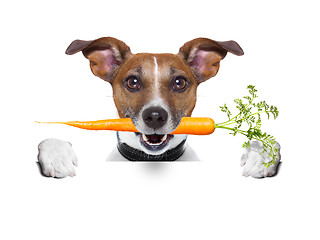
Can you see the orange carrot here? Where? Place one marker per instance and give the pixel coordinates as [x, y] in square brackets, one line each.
[195, 126]
[188, 125]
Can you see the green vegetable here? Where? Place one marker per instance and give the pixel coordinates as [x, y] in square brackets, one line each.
[250, 116]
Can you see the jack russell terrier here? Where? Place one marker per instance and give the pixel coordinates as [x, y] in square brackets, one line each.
[154, 90]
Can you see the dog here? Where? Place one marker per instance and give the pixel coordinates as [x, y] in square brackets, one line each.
[154, 90]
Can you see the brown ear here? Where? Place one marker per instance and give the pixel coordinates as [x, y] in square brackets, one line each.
[203, 55]
[105, 55]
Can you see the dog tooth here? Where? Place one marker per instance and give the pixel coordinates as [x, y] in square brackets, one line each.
[144, 137]
[164, 137]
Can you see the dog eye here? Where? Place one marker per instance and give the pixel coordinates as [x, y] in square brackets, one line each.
[133, 83]
[179, 84]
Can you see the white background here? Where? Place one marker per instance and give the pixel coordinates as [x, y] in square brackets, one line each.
[205, 199]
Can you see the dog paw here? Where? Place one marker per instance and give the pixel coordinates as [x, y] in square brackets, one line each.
[57, 158]
[252, 160]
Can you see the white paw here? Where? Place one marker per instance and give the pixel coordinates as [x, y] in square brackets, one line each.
[57, 158]
[252, 161]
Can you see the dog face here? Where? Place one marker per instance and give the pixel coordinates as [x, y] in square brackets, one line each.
[154, 90]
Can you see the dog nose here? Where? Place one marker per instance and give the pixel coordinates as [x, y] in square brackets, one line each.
[155, 117]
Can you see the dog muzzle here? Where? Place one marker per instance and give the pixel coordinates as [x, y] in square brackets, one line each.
[134, 154]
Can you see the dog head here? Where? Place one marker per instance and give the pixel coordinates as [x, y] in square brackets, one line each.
[154, 90]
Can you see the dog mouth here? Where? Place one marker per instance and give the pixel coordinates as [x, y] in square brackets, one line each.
[155, 142]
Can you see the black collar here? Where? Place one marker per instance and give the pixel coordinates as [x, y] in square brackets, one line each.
[133, 154]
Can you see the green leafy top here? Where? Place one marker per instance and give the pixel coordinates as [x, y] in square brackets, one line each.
[250, 115]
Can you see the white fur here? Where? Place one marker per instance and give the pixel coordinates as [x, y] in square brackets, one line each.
[57, 158]
[252, 160]
[131, 139]
[156, 77]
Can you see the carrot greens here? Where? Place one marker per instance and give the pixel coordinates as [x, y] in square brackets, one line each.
[249, 115]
